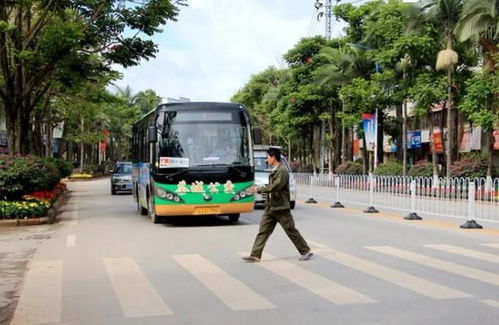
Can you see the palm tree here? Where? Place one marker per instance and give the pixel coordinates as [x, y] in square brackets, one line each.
[445, 15]
[146, 100]
[342, 65]
[480, 22]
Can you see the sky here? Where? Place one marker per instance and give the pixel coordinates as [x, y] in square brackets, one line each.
[216, 45]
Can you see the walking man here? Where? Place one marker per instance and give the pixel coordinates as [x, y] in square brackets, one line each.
[277, 210]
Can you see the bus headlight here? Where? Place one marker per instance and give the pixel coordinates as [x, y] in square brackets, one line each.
[167, 195]
[242, 194]
[161, 193]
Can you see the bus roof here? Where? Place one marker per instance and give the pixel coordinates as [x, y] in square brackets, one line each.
[193, 105]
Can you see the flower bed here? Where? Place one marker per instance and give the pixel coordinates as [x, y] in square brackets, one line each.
[33, 205]
[81, 176]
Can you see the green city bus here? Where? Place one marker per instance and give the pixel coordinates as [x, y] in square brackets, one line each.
[193, 158]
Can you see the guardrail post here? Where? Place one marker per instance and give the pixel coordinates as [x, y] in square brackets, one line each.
[311, 199]
[337, 204]
[412, 213]
[371, 208]
[471, 224]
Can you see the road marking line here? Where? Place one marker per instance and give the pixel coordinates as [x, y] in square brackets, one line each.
[41, 297]
[494, 245]
[466, 252]
[316, 244]
[399, 278]
[71, 241]
[317, 284]
[462, 270]
[493, 303]
[136, 295]
[231, 291]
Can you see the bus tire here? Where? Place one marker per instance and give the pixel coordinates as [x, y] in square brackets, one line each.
[234, 217]
[142, 210]
[151, 211]
[292, 204]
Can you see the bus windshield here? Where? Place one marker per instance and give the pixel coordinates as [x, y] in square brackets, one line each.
[213, 139]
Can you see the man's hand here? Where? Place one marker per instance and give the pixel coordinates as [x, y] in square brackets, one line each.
[254, 189]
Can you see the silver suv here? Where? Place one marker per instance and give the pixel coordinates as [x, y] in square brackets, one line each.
[262, 171]
[121, 177]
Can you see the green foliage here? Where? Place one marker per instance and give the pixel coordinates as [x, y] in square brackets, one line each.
[422, 168]
[389, 169]
[480, 100]
[349, 168]
[23, 175]
[472, 166]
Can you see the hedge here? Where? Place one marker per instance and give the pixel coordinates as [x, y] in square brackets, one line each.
[21, 175]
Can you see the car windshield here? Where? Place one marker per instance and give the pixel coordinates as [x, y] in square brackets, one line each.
[123, 168]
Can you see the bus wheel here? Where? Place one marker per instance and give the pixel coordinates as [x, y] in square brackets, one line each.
[151, 210]
[234, 217]
[142, 210]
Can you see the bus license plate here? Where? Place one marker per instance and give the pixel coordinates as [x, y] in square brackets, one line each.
[207, 210]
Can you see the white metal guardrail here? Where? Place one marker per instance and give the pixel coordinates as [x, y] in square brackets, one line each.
[463, 198]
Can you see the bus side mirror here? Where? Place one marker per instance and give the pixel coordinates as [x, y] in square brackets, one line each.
[152, 134]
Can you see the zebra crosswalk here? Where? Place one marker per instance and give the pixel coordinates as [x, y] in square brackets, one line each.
[137, 297]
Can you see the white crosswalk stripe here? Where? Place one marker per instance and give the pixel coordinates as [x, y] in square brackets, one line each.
[494, 245]
[439, 264]
[43, 283]
[231, 291]
[466, 252]
[493, 303]
[71, 241]
[405, 280]
[136, 295]
[317, 284]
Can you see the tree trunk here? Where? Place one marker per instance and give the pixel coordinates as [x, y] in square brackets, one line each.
[450, 129]
[404, 139]
[433, 149]
[398, 139]
[379, 140]
[82, 148]
[316, 145]
[490, 158]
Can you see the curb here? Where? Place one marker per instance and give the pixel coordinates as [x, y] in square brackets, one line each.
[50, 218]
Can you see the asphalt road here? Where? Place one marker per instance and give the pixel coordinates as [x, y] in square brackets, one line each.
[103, 263]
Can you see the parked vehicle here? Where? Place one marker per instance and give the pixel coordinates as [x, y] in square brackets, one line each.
[121, 177]
[262, 171]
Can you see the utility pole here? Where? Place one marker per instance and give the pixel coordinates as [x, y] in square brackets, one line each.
[329, 16]
[324, 9]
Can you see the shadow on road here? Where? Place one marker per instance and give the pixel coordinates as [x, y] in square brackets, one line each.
[201, 221]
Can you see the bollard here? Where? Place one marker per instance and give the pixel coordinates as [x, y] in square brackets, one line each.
[371, 208]
[412, 213]
[311, 199]
[471, 224]
[337, 204]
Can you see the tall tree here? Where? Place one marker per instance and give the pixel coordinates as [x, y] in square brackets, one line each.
[445, 14]
[39, 38]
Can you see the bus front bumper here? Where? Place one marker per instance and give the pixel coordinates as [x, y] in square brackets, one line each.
[193, 209]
